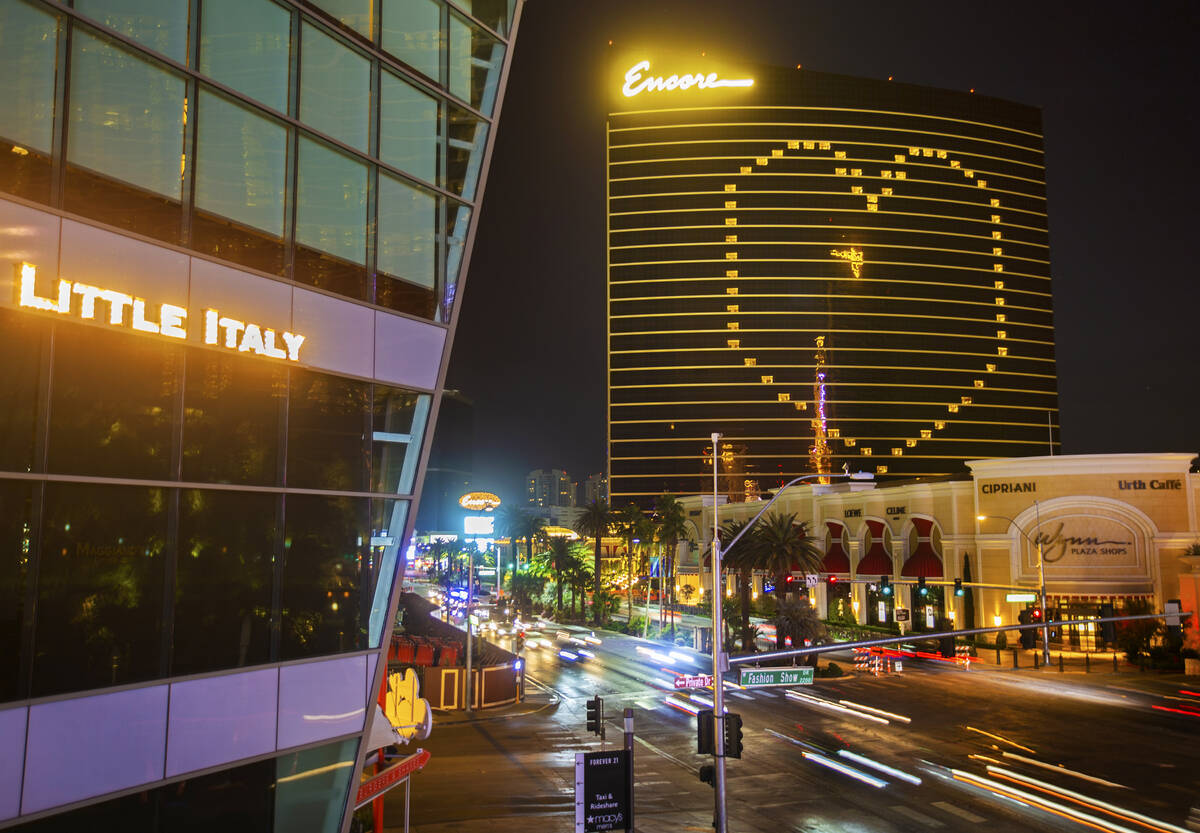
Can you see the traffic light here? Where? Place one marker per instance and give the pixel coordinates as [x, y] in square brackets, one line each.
[921, 588]
[885, 586]
[833, 579]
[595, 716]
[705, 733]
[708, 775]
[733, 735]
[1035, 615]
[958, 588]
[1025, 617]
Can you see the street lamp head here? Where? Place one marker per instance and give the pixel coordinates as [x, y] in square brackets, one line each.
[981, 517]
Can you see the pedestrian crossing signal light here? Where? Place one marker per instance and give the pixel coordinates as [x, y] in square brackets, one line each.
[595, 716]
[733, 735]
[705, 733]
[958, 588]
[708, 775]
[885, 586]
[921, 588]
[833, 579]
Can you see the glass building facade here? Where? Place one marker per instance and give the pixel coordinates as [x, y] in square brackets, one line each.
[231, 237]
[829, 271]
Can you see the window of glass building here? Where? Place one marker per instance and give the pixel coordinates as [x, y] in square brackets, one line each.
[231, 416]
[331, 220]
[406, 247]
[244, 44]
[387, 541]
[99, 587]
[409, 128]
[112, 404]
[412, 31]
[241, 164]
[475, 58]
[223, 580]
[161, 25]
[494, 13]
[16, 540]
[468, 139]
[356, 14]
[323, 590]
[328, 419]
[125, 138]
[398, 427]
[335, 88]
[458, 221]
[311, 787]
[28, 46]
[23, 340]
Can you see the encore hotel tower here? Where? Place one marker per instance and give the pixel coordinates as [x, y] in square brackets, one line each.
[829, 271]
[232, 234]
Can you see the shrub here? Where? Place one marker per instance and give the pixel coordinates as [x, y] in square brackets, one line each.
[1001, 641]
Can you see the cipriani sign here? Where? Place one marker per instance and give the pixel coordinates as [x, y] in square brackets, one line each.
[82, 300]
[637, 80]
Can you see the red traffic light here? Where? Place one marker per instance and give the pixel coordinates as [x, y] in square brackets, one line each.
[789, 579]
[1036, 613]
[833, 579]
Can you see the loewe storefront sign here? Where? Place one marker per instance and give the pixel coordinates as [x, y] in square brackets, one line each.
[118, 309]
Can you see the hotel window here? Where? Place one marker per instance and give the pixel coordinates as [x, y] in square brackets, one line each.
[995, 203]
[768, 380]
[865, 451]
[776, 152]
[926, 434]
[407, 246]
[1001, 318]
[412, 31]
[331, 220]
[335, 88]
[899, 157]
[750, 361]
[23, 338]
[161, 25]
[995, 235]
[839, 154]
[244, 44]
[468, 137]
[834, 433]
[785, 397]
[881, 469]
[901, 174]
[897, 451]
[125, 139]
[1001, 351]
[409, 128]
[734, 343]
[939, 425]
[911, 443]
[241, 164]
[458, 219]
[998, 284]
[991, 368]
[850, 442]
[824, 146]
[28, 35]
[16, 510]
[731, 307]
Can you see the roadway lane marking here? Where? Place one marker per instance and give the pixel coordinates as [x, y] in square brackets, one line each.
[921, 818]
[740, 695]
[1001, 739]
[692, 769]
[958, 811]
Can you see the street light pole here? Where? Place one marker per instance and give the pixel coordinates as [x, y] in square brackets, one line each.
[718, 661]
[470, 598]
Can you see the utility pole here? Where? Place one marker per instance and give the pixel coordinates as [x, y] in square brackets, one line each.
[1042, 580]
[718, 661]
[470, 599]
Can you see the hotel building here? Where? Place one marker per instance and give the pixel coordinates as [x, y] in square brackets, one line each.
[829, 271]
[232, 238]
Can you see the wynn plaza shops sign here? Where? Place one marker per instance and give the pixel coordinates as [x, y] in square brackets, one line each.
[118, 309]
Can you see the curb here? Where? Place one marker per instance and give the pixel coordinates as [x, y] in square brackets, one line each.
[465, 721]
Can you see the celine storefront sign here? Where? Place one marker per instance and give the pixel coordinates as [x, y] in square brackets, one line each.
[93, 303]
[637, 80]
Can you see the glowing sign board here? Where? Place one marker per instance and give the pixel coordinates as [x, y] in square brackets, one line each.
[637, 81]
[80, 300]
[479, 501]
[479, 525]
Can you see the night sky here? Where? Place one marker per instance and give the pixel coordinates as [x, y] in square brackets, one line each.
[1117, 84]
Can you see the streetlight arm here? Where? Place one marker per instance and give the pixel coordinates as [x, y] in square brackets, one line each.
[858, 475]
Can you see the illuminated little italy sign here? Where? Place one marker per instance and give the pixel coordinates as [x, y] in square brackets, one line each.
[637, 80]
[80, 300]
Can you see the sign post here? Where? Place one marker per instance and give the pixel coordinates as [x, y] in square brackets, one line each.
[603, 792]
[763, 677]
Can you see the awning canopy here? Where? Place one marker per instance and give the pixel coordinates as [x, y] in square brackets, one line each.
[836, 560]
[876, 561]
[924, 562]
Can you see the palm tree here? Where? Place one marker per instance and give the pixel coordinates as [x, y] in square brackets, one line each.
[578, 575]
[555, 561]
[783, 542]
[595, 521]
[742, 558]
[514, 523]
[632, 521]
[672, 526]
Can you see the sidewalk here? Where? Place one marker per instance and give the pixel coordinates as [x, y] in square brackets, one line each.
[535, 701]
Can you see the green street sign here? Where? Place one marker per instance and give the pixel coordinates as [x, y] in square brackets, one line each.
[761, 677]
[1020, 597]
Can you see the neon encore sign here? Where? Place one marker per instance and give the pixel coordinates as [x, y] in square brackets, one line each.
[81, 300]
[636, 81]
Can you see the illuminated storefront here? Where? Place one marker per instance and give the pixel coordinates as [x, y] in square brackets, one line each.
[1113, 530]
[232, 236]
[824, 269]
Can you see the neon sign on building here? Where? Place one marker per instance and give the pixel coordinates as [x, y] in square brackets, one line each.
[80, 300]
[637, 81]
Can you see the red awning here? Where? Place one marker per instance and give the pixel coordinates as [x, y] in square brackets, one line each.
[836, 560]
[924, 562]
[876, 561]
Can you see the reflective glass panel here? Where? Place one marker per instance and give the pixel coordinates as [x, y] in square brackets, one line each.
[27, 52]
[468, 140]
[458, 222]
[412, 31]
[100, 587]
[241, 159]
[311, 787]
[475, 61]
[112, 403]
[331, 220]
[323, 594]
[493, 13]
[387, 545]
[23, 342]
[160, 25]
[244, 45]
[335, 88]
[16, 537]
[398, 422]
[408, 128]
[356, 14]
[231, 412]
[407, 240]
[223, 580]
[328, 419]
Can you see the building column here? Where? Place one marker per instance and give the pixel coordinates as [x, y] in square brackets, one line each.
[822, 595]
[858, 595]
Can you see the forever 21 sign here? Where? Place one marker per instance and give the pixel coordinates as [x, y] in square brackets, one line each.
[602, 791]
